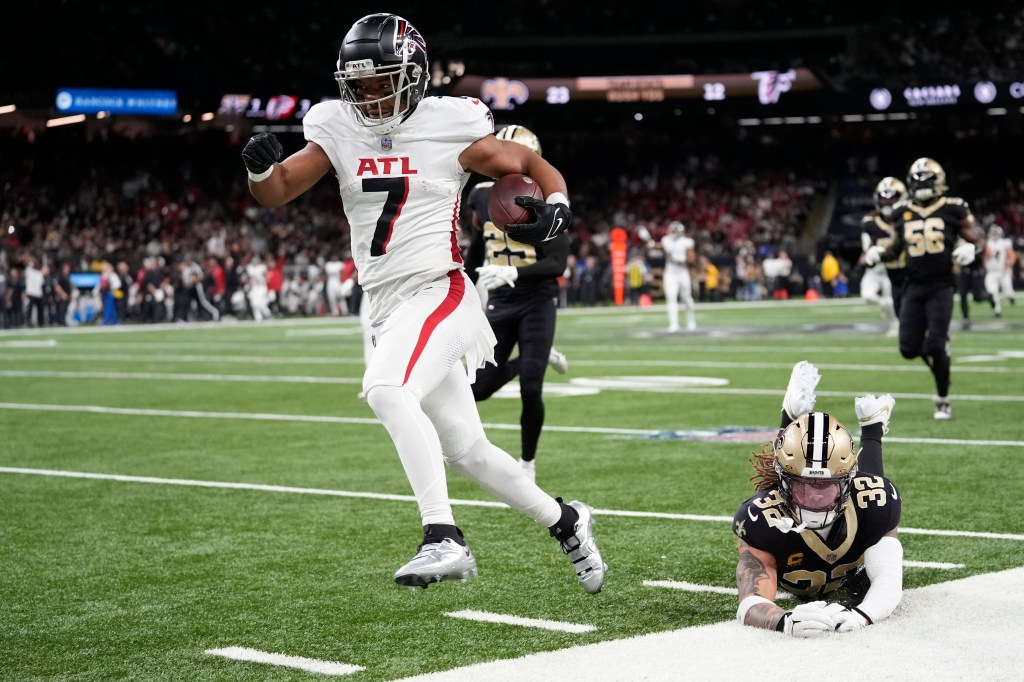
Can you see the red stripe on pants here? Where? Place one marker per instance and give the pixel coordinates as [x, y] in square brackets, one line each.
[456, 290]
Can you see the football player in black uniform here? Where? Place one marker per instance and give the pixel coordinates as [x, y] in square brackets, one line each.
[823, 523]
[522, 291]
[882, 284]
[927, 227]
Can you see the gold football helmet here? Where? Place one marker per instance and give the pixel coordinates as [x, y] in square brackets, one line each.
[926, 180]
[522, 135]
[889, 192]
[815, 461]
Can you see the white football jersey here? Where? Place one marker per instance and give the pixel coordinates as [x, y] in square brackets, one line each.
[996, 257]
[675, 249]
[401, 191]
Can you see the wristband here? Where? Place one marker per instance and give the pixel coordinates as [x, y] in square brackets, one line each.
[260, 177]
[866, 617]
[748, 602]
[557, 198]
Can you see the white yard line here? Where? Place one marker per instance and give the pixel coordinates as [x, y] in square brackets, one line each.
[327, 419]
[932, 564]
[409, 498]
[168, 376]
[313, 665]
[503, 619]
[684, 586]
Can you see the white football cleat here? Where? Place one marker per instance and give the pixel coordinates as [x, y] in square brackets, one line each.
[800, 395]
[943, 410]
[437, 561]
[582, 550]
[872, 410]
[557, 361]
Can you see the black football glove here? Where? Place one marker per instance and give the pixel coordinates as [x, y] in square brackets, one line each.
[261, 152]
[550, 220]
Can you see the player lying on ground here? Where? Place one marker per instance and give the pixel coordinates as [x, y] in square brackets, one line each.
[823, 524]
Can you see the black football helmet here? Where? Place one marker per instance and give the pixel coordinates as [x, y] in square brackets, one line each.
[383, 45]
[926, 180]
[889, 192]
[816, 462]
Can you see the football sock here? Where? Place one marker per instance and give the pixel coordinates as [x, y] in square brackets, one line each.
[566, 526]
[436, 532]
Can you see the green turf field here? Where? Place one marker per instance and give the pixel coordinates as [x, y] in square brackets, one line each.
[137, 577]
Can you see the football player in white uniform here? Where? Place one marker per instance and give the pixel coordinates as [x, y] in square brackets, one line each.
[677, 247]
[999, 258]
[402, 161]
[876, 228]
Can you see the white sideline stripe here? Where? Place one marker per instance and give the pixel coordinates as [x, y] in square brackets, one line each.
[313, 665]
[487, 617]
[932, 564]
[918, 642]
[409, 498]
[167, 376]
[327, 419]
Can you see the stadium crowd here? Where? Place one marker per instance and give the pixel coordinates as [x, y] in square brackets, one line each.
[164, 213]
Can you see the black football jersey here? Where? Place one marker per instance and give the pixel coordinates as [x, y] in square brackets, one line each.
[539, 266]
[927, 236]
[808, 566]
[881, 234]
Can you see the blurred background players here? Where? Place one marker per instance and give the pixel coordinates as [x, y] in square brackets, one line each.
[882, 283]
[823, 523]
[520, 282]
[679, 253]
[926, 229]
[970, 284]
[999, 258]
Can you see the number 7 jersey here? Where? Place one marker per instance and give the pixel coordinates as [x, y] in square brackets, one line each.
[401, 191]
[808, 566]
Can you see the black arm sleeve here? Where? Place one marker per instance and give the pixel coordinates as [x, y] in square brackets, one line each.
[549, 265]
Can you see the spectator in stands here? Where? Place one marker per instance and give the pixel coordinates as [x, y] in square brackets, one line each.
[830, 272]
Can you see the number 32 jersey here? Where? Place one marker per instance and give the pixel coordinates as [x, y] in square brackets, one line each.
[401, 191]
[808, 566]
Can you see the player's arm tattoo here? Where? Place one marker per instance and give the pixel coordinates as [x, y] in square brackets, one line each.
[750, 571]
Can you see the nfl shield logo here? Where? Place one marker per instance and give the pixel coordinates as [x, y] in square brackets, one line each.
[385, 144]
[831, 558]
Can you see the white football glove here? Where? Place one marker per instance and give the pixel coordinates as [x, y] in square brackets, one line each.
[808, 620]
[964, 254]
[347, 286]
[494, 276]
[845, 619]
[873, 256]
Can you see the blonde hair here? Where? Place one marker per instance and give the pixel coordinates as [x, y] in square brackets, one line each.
[764, 476]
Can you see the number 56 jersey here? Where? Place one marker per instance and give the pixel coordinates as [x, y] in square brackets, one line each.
[401, 191]
[808, 566]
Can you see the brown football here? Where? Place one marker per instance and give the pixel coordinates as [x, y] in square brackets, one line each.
[502, 208]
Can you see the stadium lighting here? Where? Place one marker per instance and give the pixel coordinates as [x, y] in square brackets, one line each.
[8, 109]
[65, 120]
[101, 114]
[208, 116]
[187, 118]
